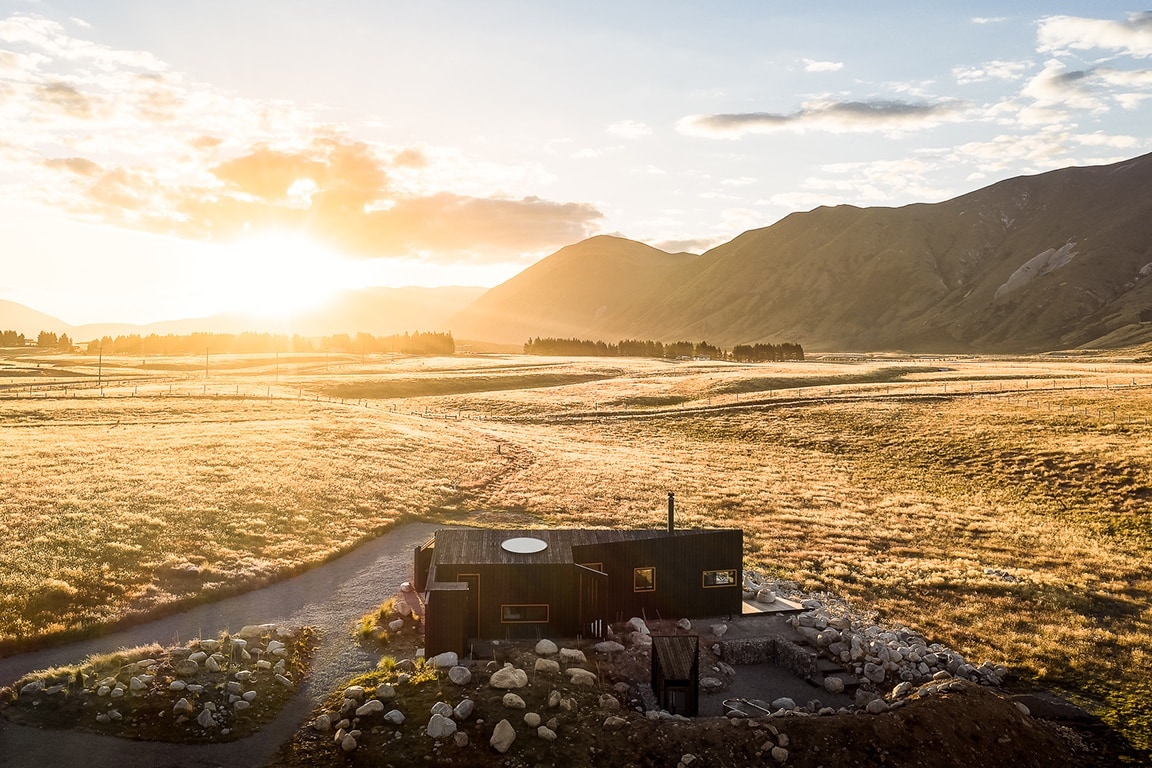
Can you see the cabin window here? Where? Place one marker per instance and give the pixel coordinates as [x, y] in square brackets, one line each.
[725, 578]
[644, 580]
[534, 613]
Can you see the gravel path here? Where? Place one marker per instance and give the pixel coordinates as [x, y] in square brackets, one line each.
[332, 597]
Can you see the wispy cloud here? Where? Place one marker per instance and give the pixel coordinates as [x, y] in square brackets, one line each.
[811, 65]
[1072, 33]
[991, 70]
[630, 129]
[877, 116]
[988, 19]
[118, 136]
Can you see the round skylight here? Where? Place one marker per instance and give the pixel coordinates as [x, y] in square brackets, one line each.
[523, 545]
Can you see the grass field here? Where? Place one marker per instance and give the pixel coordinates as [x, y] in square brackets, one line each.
[1003, 507]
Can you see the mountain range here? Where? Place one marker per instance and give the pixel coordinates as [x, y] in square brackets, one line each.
[1057, 260]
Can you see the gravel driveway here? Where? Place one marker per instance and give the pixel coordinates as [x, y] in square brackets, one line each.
[332, 597]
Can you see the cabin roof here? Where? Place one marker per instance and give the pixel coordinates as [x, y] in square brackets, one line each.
[481, 546]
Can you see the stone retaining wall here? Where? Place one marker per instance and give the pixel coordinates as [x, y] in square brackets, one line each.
[796, 659]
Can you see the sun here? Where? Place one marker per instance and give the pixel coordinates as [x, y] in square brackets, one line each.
[279, 274]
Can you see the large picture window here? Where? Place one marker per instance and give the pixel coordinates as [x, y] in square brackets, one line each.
[644, 580]
[534, 613]
[724, 578]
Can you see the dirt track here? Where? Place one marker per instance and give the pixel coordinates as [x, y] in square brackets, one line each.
[332, 597]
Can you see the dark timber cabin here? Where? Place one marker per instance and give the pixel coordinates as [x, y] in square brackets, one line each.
[498, 584]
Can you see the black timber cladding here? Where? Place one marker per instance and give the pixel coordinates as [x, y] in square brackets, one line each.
[555, 591]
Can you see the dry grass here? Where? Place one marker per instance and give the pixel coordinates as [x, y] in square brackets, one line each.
[1003, 507]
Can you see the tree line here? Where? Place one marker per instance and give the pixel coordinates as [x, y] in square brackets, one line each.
[46, 340]
[677, 349]
[419, 343]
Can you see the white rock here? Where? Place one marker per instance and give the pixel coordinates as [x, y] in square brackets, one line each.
[183, 707]
[637, 624]
[354, 692]
[779, 754]
[579, 676]
[442, 708]
[512, 701]
[263, 664]
[394, 716]
[765, 596]
[460, 739]
[198, 657]
[240, 705]
[103, 690]
[177, 685]
[194, 688]
[684, 624]
[608, 646]
[243, 675]
[284, 681]
[572, 656]
[348, 743]
[784, 702]
[531, 719]
[548, 666]
[546, 733]
[876, 706]
[508, 677]
[370, 707]
[502, 736]
[211, 664]
[323, 723]
[396, 625]
[718, 630]
[249, 696]
[464, 709]
[274, 646]
[612, 722]
[834, 685]
[546, 648]
[385, 692]
[205, 719]
[440, 727]
[445, 660]
[117, 693]
[460, 675]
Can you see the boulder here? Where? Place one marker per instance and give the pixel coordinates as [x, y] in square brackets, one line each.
[186, 668]
[612, 722]
[440, 727]
[711, 684]
[370, 707]
[531, 719]
[460, 739]
[460, 675]
[546, 733]
[354, 692]
[348, 743]
[783, 702]
[779, 754]
[445, 660]
[395, 625]
[508, 677]
[211, 664]
[137, 685]
[876, 706]
[512, 701]
[199, 657]
[177, 685]
[637, 624]
[323, 723]
[874, 672]
[718, 630]
[205, 719]
[572, 656]
[548, 666]
[385, 692]
[546, 648]
[183, 707]
[394, 716]
[464, 709]
[834, 685]
[608, 646]
[442, 708]
[684, 624]
[578, 676]
[765, 596]
[608, 701]
[502, 736]
[284, 681]
[241, 704]
[553, 699]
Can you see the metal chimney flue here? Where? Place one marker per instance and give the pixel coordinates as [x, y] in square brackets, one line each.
[671, 512]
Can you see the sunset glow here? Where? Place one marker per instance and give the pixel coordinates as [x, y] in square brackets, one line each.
[669, 124]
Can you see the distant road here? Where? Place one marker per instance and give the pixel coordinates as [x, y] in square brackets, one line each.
[332, 597]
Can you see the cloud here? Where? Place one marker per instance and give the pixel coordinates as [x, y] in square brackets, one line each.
[115, 136]
[810, 65]
[988, 19]
[630, 129]
[1057, 90]
[1058, 34]
[695, 245]
[889, 116]
[990, 70]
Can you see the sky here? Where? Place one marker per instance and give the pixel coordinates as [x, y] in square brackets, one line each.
[161, 160]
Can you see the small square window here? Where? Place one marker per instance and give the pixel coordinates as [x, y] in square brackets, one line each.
[644, 580]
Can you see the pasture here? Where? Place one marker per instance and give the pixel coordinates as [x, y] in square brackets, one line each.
[1000, 506]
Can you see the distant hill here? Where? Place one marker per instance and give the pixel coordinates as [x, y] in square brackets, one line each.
[379, 311]
[1055, 260]
[576, 291]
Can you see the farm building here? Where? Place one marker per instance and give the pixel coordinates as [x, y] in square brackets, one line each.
[498, 584]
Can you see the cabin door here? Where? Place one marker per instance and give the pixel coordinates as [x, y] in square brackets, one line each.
[592, 586]
[472, 617]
